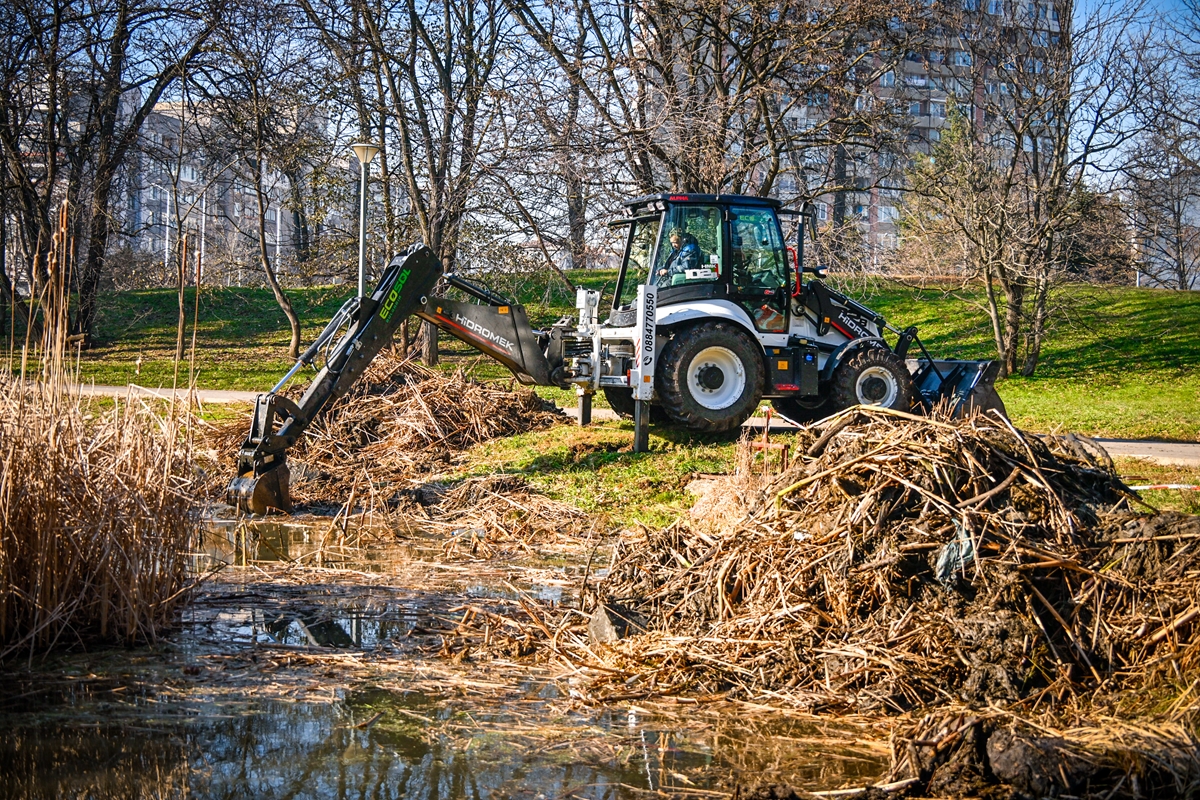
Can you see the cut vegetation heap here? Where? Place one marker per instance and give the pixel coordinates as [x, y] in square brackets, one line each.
[919, 567]
[400, 421]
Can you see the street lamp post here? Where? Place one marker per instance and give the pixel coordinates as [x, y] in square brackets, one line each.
[365, 153]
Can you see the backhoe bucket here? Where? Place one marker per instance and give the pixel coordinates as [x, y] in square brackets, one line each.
[259, 494]
[966, 385]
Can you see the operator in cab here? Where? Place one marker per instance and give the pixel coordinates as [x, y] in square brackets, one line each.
[685, 255]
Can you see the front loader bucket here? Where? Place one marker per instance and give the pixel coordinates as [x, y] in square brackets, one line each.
[259, 494]
[966, 385]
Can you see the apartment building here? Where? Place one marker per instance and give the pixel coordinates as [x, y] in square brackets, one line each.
[177, 185]
[960, 67]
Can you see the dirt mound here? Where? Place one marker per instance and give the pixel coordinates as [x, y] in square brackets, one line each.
[402, 419]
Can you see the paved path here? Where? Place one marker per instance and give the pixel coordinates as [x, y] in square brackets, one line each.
[1185, 454]
[1180, 453]
[203, 395]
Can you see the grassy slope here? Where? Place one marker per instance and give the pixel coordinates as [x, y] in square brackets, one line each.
[1121, 362]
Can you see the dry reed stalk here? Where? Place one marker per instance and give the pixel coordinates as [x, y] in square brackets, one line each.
[95, 513]
[95, 522]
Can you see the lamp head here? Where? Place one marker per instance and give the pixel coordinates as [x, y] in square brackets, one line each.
[365, 152]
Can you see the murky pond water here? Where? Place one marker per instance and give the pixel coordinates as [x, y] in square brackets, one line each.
[335, 684]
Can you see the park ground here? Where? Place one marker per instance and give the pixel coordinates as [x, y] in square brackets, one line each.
[1119, 362]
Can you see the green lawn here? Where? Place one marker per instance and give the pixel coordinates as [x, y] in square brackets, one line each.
[1120, 362]
[594, 468]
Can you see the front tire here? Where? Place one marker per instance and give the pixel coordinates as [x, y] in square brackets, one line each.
[710, 378]
[874, 377]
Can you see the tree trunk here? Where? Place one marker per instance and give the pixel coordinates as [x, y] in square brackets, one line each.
[93, 264]
[1037, 329]
[429, 344]
[1014, 296]
[264, 256]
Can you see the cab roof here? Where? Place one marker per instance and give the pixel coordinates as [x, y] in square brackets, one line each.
[706, 199]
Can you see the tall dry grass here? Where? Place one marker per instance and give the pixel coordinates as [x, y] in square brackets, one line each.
[96, 510]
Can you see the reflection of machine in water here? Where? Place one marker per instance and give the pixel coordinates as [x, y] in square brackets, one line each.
[232, 541]
[312, 629]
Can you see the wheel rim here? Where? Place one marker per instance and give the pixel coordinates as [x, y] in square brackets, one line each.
[716, 378]
[877, 386]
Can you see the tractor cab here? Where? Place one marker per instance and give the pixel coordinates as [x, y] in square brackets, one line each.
[701, 247]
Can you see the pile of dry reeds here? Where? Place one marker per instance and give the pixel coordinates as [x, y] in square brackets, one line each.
[904, 562]
[901, 562]
[96, 522]
[401, 419]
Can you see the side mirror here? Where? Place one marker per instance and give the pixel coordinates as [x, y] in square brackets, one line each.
[809, 217]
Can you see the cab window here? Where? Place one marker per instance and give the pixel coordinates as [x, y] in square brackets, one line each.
[644, 235]
[757, 251]
[689, 250]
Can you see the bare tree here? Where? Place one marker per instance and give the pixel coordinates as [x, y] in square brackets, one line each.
[1163, 190]
[697, 96]
[1050, 96]
[80, 80]
[430, 77]
[257, 106]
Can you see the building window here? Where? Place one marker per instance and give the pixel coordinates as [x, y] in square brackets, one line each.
[914, 108]
[995, 7]
[887, 214]
[937, 110]
[887, 79]
[962, 58]
[970, 5]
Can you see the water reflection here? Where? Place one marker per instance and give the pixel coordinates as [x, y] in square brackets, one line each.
[396, 745]
[143, 730]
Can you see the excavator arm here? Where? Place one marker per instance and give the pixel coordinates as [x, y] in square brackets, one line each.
[496, 326]
[369, 322]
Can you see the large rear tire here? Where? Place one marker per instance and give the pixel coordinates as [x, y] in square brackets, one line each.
[710, 377]
[874, 376]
